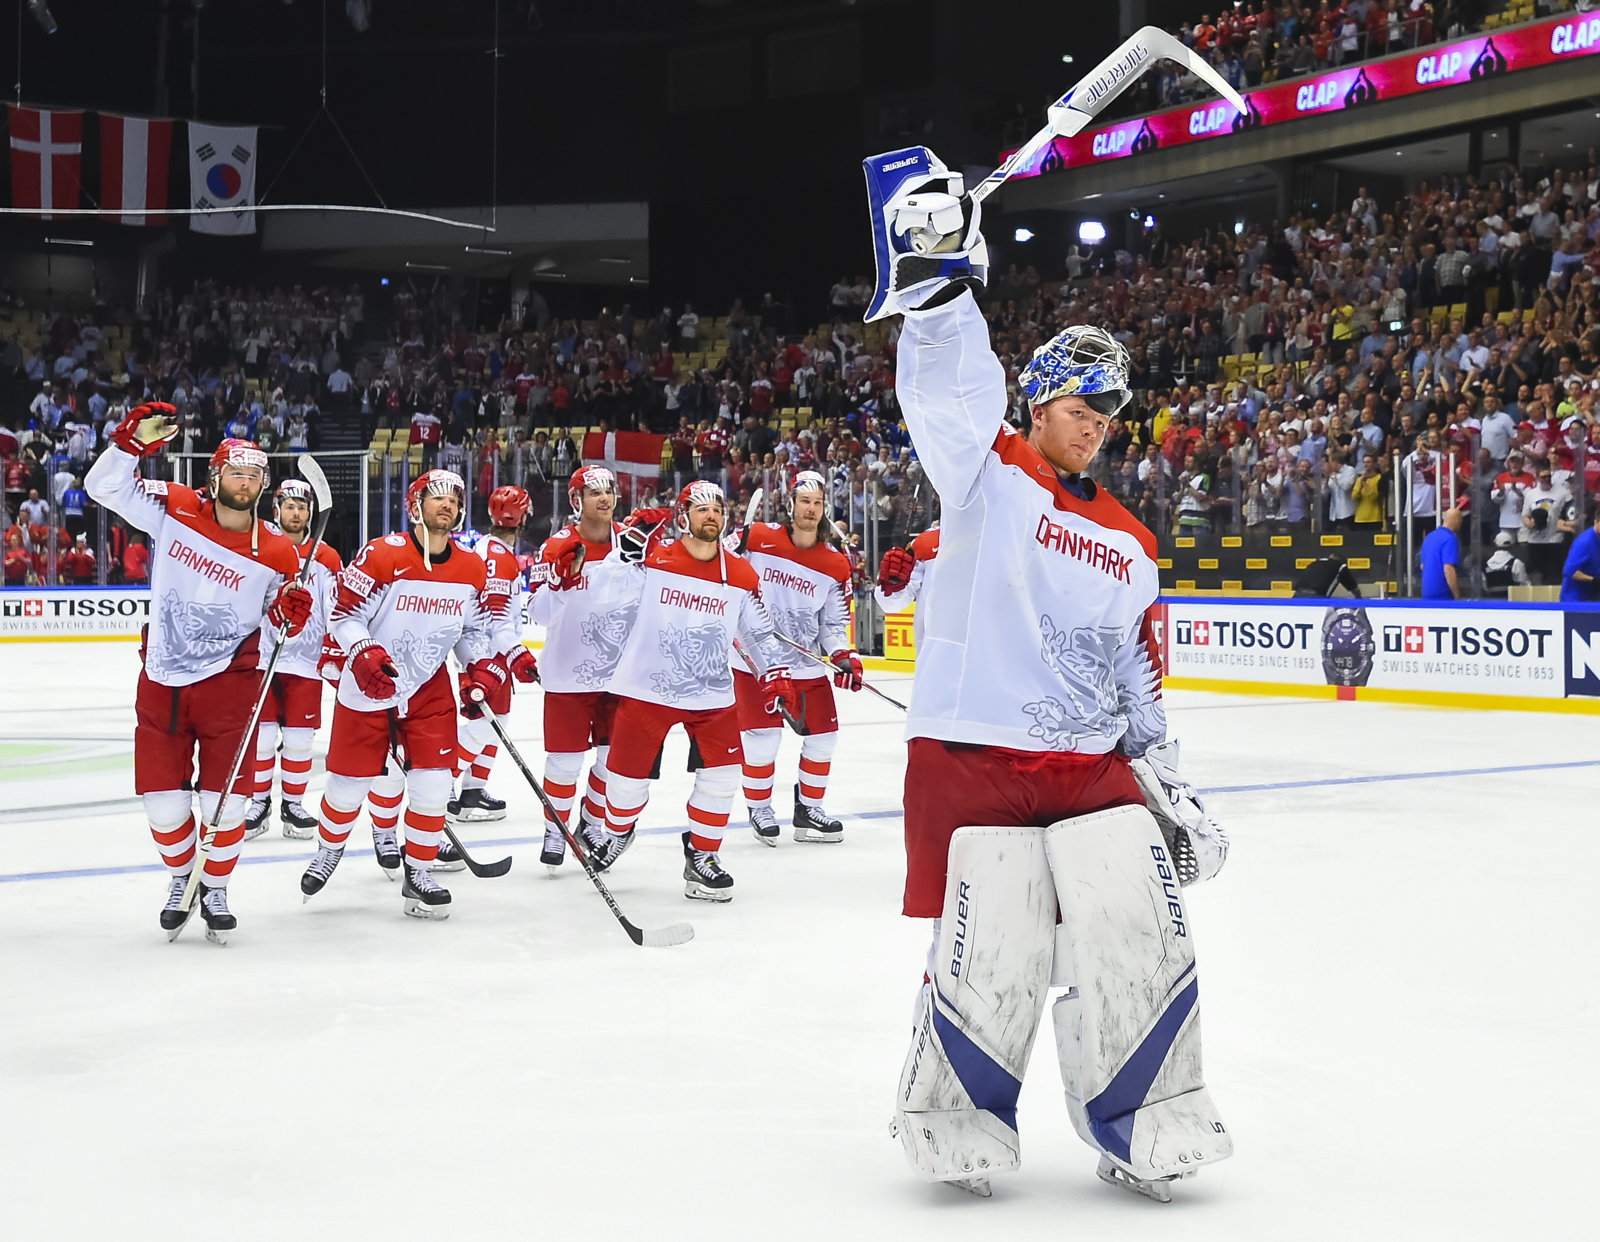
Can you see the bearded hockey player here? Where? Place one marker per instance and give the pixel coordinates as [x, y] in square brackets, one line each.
[679, 605]
[215, 573]
[508, 509]
[404, 604]
[581, 647]
[293, 708]
[804, 580]
[1035, 741]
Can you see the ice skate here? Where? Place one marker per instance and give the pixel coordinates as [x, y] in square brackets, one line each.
[812, 823]
[703, 876]
[255, 823]
[1160, 1189]
[554, 851]
[424, 898]
[973, 1186]
[765, 825]
[297, 825]
[449, 858]
[475, 806]
[173, 916]
[214, 910]
[386, 849]
[602, 846]
[320, 871]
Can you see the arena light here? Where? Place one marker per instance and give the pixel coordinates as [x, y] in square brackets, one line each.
[1238, 227]
[1091, 232]
[484, 250]
[1022, 235]
[41, 14]
[384, 281]
[1149, 222]
[1067, 59]
[426, 267]
[67, 241]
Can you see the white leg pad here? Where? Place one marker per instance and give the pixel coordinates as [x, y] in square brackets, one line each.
[956, 1113]
[1128, 1035]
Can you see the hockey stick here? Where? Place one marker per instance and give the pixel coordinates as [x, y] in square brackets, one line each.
[324, 494]
[484, 871]
[1086, 100]
[865, 685]
[783, 709]
[647, 937]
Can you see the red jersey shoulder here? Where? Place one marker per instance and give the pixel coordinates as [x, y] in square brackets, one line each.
[926, 545]
[276, 549]
[1104, 509]
[180, 500]
[775, 540]
[329, 559]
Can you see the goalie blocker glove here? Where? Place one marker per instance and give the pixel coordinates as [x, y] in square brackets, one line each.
[1197, 843]
[926, 238]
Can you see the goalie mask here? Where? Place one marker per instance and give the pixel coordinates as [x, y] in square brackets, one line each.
[437, 483]
[700, 492]
[1083, 361]
[590, 478]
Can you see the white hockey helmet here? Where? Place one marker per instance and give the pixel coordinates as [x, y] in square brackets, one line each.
[291, 489]
[805, 481]
[589, 478]
[699, 492]
[437, 483]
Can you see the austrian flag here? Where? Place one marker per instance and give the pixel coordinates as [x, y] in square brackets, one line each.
[46, 158]
[134, 155]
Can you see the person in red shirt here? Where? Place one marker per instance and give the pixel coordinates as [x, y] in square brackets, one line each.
[79, 564]
[136, 562]
[1204, 33]
[712, 444]
[19, 564]
[761, 392]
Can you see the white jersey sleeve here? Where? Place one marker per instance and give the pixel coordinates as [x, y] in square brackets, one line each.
[1138, 675]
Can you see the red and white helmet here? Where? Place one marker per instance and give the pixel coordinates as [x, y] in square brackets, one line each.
[805, 481]
[437, 483]
[291, 489]
[508, 506]
[700, 492]
[232, 452]
[597, 478]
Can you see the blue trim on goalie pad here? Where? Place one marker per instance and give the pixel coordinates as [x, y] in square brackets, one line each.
[1111, 1112]
[989, 1085]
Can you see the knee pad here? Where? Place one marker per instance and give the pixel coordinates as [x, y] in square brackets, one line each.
[819, 746]
[956, 1115]
[474, 735]
[267, 738]
[1128, 1036]
[563, 767]
[429, 789]
[601, 754]
[233, 810]
[298, 741]
[719, 782]
[166, 809]
[760, 746]
[344, 793]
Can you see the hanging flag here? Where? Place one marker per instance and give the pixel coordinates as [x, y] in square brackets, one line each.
[134, 154]
[46, 158]
[222, 173]
[633, 456]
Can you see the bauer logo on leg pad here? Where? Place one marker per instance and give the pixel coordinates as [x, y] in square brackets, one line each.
[1169, 886]
[959, 946]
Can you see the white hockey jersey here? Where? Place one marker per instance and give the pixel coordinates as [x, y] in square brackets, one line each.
[805, 594]
[302, 653]
[583, 628]
[418, 613]
[1038, 637]
[209, 587]
[503, 591]
[674, 620]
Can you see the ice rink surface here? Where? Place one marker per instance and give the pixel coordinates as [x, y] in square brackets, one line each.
[1395, 981]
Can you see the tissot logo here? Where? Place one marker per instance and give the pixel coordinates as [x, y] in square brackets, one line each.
[33, 607]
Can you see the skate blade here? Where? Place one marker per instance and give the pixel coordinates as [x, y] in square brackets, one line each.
[476, 817]
[250, 834]
[1160, 1192]
[436, 865]
[808, 836]
[699, 892]
[769, 839]
[177, 931]
[217, 936]
[553, 869]
[299, 834]
[389, 873]
[418, 909]
[973, 1186]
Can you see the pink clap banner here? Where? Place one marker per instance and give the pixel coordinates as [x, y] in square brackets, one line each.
[1441, 64]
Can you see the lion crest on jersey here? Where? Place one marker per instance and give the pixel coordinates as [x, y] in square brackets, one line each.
[1082, 658]
[194, 633]
[606, 632]
[698, 656]
[799, 625]
[418, 657]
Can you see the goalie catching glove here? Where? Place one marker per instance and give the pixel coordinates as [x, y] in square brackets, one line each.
[1197, 843]
[926, 237]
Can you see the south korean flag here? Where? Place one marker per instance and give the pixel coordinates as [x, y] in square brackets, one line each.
[222, 173]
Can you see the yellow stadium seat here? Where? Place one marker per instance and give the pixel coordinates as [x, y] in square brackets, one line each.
[1439, 314]
[1491, 299]
[1458, 311]
[1527, 315]
[1507, 316]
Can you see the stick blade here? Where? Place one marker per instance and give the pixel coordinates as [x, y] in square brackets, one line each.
[663, 937]
[312, 473]
[490, 871]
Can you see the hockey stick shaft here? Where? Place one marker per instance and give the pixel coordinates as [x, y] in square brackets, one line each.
[635, 934]
[783, 709]
[209, 836]
[865, 685]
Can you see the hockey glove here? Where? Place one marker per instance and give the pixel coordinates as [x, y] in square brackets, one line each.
[777, 691]
[482, 678]
[563, 562]
[373, 670]
[848, 664]
[146, 429]
[330, 664]
[291, 608]
[1197, 843]
[894, 571]
[523, 666]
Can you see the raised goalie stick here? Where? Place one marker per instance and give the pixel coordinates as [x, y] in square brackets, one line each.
[648, 937]
[324, 494]
[1113, 75]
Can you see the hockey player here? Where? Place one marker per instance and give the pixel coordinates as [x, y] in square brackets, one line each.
[508, 509]
[404, 604]
[804, 581]
[580, 646]
[215, 571]
[677, 608]
[905, 575]
[1035, 743]
[293, 709]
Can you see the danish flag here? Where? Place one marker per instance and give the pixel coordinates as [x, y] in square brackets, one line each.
[46, 158]
[134, 158]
